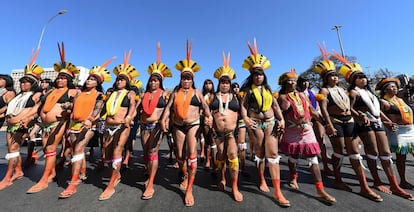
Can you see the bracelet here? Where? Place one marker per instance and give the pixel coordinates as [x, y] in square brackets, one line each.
[128, 117]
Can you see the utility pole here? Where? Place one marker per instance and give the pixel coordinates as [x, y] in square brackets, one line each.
[337, 27]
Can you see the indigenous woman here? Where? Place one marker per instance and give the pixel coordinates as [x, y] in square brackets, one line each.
[336, 112]
[303, 86]
[20, 113]
[7, 93]
[186, 101]
[370, 121]
[120, 111]
[299, 138]
[402, 134]
[225, 108]
[55, 116]
[260, 111]
[129, 145]
[45, 86]
[207, 145]
[86, 109]
[151, 108]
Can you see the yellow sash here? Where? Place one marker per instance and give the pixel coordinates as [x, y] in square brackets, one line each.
[264, 99]
[405, 110]
[114, 102]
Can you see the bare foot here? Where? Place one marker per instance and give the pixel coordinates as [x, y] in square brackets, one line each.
[37, 188]
[237, 195]
[5, 183]
[52, 176]
[263, 187]
[324, 196]
[68, 192]
[383, 189]
[17, 176]
[294, 184]
[189, 199]
[402, 193]
[184, 184]
[342, 186]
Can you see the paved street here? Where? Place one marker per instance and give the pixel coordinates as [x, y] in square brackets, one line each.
[168, 196]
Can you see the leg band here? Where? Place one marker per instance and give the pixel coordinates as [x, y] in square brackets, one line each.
[77, 157]
[359, 158]
[50, 154]
[274, 160]
[372, 157]
[192, 162]
[220, 164]
[202, 140]
[12, 155]
[116, 162]
[213, 146]
[258, 160]
[294, 175]
[319, 185]
[387, 157]
[313, 161]
[153, 157]
[242, 146]
[234, 163]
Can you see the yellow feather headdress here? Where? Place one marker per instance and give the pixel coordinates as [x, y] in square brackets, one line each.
[348, 69]
[63, 66]
[158, 67]
[255, 59]
[287, 75]
[33, 69]
[187, 65]
[101, 72]
[225, 70]
[325, 66]
[126, 69]
[136, 83]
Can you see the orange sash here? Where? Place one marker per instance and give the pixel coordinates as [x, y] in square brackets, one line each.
[84, 105]
[405, 110]
[53, 98]
[148, 105]
[182, 102]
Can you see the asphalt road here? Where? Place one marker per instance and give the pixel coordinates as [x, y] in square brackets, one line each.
[168, 196]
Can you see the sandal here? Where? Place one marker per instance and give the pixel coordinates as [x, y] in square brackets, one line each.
[66, 194]
[101, 197]
[372, 196]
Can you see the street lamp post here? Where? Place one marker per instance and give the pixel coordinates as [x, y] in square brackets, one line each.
[47, 23]
[336, 27]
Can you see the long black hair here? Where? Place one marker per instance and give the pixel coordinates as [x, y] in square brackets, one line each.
[186, 75]
[248, 82]
[128, 85]
[98, 85]
[148, 89]
[9, 82]
[69, 79]
[205, 91]
[35, 87]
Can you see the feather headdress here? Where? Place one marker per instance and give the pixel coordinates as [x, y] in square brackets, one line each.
[63, 66]
[126, 69]
[225, 70]
[158, 67]
[348, 69]
[287, 75]
[101, 72]
[136, 83]
[325, 66]
[187, 65]
[33, 69]
[381, 84]
[255, 60]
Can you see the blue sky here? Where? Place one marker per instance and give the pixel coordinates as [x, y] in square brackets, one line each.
[379, 33]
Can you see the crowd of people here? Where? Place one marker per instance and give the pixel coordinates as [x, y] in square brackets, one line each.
[293, 121]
